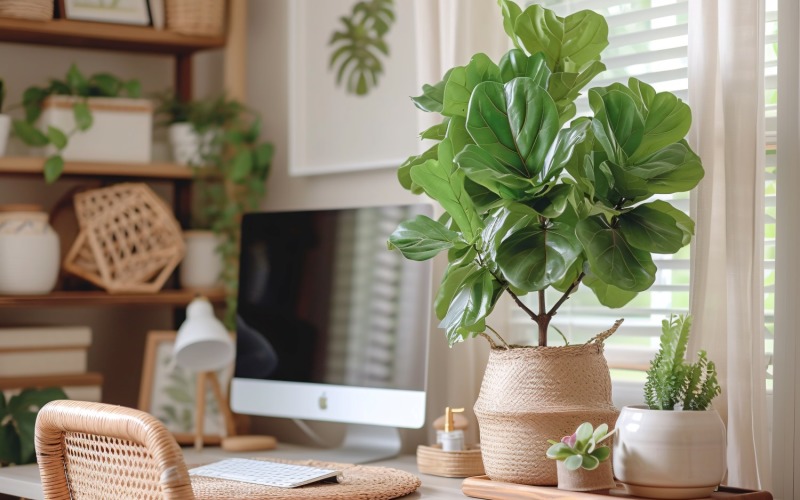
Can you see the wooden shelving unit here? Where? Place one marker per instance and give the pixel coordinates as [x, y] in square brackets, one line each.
[34, 166]
[67, 33]
[174, 298]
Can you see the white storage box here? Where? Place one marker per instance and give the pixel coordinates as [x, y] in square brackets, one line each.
[121, 132]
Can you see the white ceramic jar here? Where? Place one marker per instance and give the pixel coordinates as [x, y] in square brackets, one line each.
[669, 454]
[201, 267]
[29, 251]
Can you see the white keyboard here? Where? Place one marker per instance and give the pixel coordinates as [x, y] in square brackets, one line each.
[265, 473]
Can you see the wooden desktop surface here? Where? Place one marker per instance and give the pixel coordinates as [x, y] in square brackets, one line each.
[23, 481]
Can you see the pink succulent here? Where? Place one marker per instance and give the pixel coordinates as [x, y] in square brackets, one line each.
[570, 440]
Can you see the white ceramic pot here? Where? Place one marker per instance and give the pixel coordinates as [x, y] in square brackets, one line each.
[5, 129]
[669, 454]
[29, 251]
[202, 266]
[187, 145]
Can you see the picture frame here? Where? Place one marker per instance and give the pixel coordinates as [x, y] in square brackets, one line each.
[331, 131]
[134, 12]
[167, 392]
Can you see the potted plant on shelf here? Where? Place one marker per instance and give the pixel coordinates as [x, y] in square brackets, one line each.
[583, 463]
[676, 445]
[193, 125]
[5, 121]
[18, 421]
[95, 118]
[536, 199]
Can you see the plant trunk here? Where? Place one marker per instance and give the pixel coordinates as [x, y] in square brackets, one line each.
[544, 324]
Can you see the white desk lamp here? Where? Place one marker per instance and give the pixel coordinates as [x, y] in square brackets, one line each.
[204, 346]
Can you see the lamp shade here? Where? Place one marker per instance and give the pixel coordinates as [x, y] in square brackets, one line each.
[203, 343]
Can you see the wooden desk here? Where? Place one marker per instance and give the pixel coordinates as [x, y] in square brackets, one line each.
[23, 481]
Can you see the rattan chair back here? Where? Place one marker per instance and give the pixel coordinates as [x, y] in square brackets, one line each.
[95, 451]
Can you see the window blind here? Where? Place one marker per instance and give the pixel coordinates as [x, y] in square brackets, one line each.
[648, 39]
[771, 129]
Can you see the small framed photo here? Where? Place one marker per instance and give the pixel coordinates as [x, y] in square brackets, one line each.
[167, 392]
[134, 12]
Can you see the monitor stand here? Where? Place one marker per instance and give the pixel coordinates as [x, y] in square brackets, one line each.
[362, 444]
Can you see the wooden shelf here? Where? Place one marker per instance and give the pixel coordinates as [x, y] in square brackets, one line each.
[35, 166]
[104, 36]
[100, 298]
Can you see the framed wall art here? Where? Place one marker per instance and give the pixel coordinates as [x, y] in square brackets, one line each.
[351, 111]
[106, 11]
[167, 391]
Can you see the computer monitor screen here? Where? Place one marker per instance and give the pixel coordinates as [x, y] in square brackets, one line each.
[331, 325]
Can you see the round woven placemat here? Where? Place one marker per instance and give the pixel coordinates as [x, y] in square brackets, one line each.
[360, 482]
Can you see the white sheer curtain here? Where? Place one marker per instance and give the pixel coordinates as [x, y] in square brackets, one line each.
[726, 90]
[449, 32]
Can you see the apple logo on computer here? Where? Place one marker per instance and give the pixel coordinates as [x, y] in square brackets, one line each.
[323, 402]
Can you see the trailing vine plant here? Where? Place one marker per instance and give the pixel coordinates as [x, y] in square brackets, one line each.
[359, 44]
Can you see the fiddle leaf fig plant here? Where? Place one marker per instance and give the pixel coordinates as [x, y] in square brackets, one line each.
[18, 423]
[536, 198]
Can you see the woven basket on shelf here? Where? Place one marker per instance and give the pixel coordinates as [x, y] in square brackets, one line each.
[129, 239]
[37, 10]
[196, 17]
[532, 394]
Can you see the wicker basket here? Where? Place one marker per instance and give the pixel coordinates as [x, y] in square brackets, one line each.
[196, 17]
[532, 394]
[36, 10]
[129, 239]
[433, 460]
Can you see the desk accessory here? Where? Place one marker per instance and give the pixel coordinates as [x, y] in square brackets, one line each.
[483, 487]
[450, 457]
[204, 346]
[357, 481]
[266, 472]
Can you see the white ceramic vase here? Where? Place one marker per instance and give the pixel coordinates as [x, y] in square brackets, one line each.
[29, 251]
[201, 267]
[669, 454]
[188, 147]
[5, 130]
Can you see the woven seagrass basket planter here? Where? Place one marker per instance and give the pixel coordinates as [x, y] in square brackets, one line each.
[532, 394]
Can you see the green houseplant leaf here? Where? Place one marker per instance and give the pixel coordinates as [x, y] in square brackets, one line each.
[463, 79]
[422, 238]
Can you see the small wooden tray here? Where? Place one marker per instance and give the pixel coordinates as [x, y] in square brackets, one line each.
[483, 487]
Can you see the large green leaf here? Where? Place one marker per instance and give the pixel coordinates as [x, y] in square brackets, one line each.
[648, 228]
[471, 303]
[553, 202]
[516, 63]
[608, 295]
[29, 134]
[447, 187]
[682, 220]
[566, 149]
[9, 444]
[686, 175]
[618, 125]
[457, 133]
[422, 238]
[83, 115]
[452, 281]
[567, 86]
[516, 124]
[483, 199]
[436, 132]
[503, 222]
[463, 79]
[404, 171]
[26, 426]
[535, 257]
[577, 39]
[432, 97]
[484, 169]
[667, 121]
[612, 259]
[511, 11]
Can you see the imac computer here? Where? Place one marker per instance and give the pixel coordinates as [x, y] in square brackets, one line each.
[333, 326]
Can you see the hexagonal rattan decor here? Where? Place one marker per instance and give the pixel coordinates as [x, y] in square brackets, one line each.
[129, 239]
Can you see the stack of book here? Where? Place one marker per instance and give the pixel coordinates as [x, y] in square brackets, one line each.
[51, 356]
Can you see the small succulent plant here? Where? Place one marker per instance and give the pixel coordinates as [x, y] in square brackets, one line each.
[582, 448]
